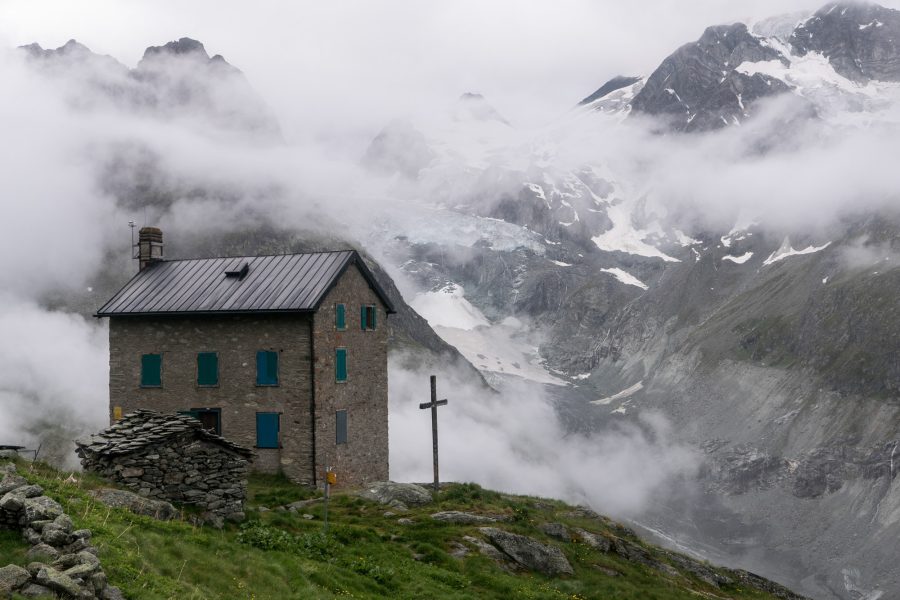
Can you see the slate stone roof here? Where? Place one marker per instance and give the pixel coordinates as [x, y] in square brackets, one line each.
[241, 284]
[142, 428]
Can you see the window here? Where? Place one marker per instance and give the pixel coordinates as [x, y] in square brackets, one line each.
[207, 369]
[268, 426]
[211, 418]
[340, 317]
[151, 370]
[367, 316]
[340, 364]
[340, 427]
[266, 368]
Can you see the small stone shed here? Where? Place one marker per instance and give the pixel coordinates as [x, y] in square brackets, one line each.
[171, 457]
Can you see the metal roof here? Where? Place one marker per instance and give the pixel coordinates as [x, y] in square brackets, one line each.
[278, 283]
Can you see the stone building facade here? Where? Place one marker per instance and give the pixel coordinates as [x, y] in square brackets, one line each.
[214, 328]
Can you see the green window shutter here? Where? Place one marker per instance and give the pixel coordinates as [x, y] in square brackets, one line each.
[207, 368]
[340, 317]
[266, 368]
[267, 427]
[340, 364]
[362, 317]
[151, 370]
[340, 427]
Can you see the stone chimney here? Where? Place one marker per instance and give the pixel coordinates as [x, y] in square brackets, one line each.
[150, 246]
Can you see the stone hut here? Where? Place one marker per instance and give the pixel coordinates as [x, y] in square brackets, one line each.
[286, 354]
[171, 457]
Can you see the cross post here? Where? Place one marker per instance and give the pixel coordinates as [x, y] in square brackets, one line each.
[434, 428]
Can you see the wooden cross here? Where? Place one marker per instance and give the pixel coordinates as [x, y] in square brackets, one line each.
[434, 432]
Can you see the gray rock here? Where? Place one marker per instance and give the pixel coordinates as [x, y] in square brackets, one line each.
[405, 521]
[82, 534]
[31, 536]
[33, 590]
[11, 482]
[41, 508]
[386, 492]
[56, 581]
[556, 530]
[301, 504]
[700, 570]
[458, 550]
[42, 551]
[8, 455]
[594, 540]
[55, 535]
[462, 518]
[64, 522]
[112, 593]
[12, 577]
[158, 509]
[486, 549]
[529, 552]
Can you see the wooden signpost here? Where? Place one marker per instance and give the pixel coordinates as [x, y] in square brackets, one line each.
[434, 428]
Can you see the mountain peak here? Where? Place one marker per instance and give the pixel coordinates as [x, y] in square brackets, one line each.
[183, 46]
[860, 39]
[616, 83]
[473, 106]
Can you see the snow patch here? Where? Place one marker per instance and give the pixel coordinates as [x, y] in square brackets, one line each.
[786, 250]
[626, 278]
[621, 395]
[448, 307]
[559, 263]
[739, 259]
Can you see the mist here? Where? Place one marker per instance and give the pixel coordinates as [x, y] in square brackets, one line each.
[73, 162]
[515, 441]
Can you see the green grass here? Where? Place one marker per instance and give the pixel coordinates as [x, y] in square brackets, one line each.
[281, 555]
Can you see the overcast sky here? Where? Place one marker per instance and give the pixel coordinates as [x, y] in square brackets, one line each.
[354, 64]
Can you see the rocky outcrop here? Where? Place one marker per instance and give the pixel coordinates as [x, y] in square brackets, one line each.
[398, 495]
[462, 518]
[66, 564]
[861, 40]
[171, 458]
[139, 505]
[698, 87]
[529, 553]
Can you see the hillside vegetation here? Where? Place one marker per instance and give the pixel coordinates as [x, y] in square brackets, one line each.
[372, 551]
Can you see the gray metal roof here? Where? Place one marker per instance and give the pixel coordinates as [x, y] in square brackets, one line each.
[279, 283]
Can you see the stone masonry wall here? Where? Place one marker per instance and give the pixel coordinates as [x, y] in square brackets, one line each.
[236, 339]
[64, 563]
[364, 458]
[180, 469]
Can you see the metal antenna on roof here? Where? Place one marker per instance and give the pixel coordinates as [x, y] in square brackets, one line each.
[131, 226]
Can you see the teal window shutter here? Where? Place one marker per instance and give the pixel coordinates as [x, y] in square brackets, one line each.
[266, 368]
[340, 317]
[207, 368]
[267, 428]
[362, 317]
[151, 370]
[340, 427]
[340, 364]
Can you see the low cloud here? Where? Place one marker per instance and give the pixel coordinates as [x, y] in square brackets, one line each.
[515, 441]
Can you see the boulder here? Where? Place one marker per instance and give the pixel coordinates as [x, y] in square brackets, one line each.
[41, 508]
[33, 590]
[486, 549]
[12, 577]
[55, 535]
[112, 593]
[388, 492]
[56, 581]
[42, 551]
[8, 455]
[11, 482]
[594, 540]
[462, 518]
[529, 552]
[556, 530]
[158, 509]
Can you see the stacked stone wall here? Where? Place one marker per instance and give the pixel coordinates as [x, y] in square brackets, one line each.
[181, 469]
[64, 563]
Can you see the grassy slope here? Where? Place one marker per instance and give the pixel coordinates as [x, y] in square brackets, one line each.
[281, 555]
